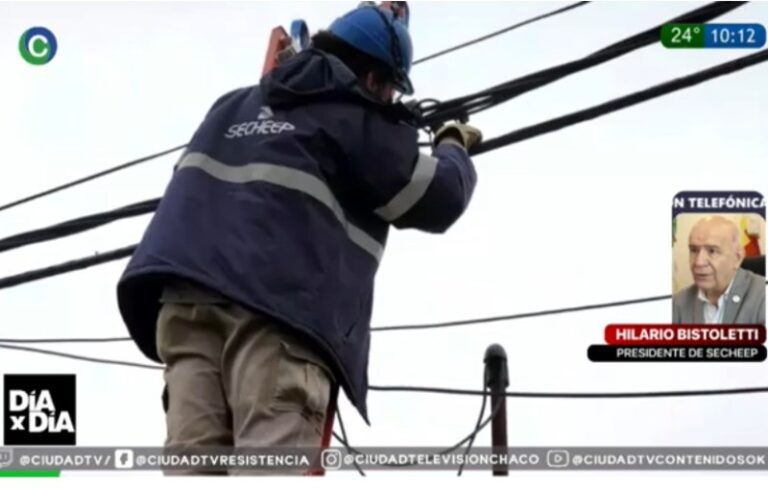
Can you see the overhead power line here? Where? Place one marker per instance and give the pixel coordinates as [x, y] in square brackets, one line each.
[92, 177]
[391, 328]
[75, 226]
[442, 112]
[452, 109]
[127, 251]
[151, 157]
[69, 266]
[439, 113]
[447, 391]
[388, 328]
[622, 102]
[64, 340]
[615, 395]
[91, 221]
[79, 357]
[526, 315]
[499, 32]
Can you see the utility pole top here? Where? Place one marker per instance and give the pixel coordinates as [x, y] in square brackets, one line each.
[496, 371]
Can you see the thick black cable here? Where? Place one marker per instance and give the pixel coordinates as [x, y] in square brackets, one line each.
[622, 102]
[150, 157]
[510, 138]
[445, 391]
[471, 104]
[618, 395]
[499, 32]
[442, 112]
[482, 100]
[77, 225]
[89, 222]
[88, 178]
[67, 267]
[95, 220]
[448, 110]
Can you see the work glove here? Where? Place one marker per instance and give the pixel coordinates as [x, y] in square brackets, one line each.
[464, 134]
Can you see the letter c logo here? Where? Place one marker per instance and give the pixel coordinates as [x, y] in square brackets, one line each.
[38, 45]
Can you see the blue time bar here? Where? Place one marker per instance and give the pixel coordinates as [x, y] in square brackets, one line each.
[734, 36]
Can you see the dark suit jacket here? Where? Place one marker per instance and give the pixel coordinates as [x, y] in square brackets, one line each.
[745, 303]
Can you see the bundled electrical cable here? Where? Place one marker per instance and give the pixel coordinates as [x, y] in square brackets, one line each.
[459, 108]
[431, 112]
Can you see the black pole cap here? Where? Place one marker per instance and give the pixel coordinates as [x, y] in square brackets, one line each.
[495, 351]
[496, 370]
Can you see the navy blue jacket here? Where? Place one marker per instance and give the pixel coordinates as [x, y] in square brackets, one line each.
[282, 202]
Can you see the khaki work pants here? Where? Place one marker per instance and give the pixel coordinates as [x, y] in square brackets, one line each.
[235, 378]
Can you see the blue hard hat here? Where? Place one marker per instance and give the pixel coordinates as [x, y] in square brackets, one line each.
[377, 33]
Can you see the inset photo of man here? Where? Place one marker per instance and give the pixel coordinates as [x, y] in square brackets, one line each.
[719, 269]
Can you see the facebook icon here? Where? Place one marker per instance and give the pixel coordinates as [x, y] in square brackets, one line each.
[124, 458]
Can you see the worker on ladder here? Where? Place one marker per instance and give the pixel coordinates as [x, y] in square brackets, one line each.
[253, 283]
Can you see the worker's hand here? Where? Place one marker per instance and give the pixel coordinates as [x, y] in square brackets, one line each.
[464, 134]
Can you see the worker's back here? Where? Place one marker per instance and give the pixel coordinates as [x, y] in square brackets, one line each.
[273, 206]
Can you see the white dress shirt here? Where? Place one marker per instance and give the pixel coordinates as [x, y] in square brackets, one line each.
[713, 314]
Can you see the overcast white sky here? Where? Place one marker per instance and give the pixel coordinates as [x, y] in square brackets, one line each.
[575, 217]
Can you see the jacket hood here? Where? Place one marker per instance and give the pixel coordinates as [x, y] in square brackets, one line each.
[316, 76]
[311, 75]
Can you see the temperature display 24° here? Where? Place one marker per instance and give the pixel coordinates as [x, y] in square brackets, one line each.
[713, 36]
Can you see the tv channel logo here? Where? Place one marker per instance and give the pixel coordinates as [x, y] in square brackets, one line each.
[39, 410]
[558, 458]
[124, 458]
[38, 45]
